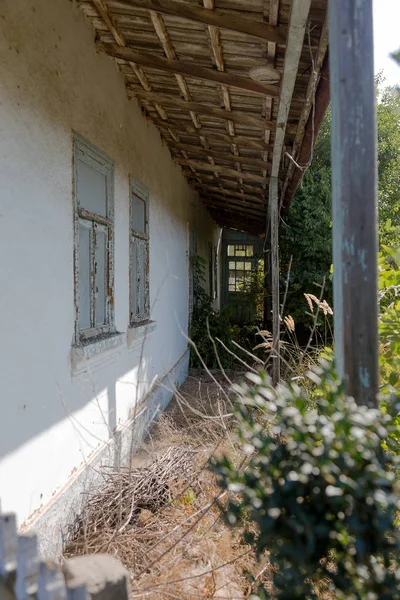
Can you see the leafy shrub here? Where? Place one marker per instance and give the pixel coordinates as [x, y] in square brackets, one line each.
[318, 487]
[207, 324]
[389, 332]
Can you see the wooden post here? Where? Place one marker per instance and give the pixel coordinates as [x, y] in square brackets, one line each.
[354, 197]
[274, 218]
[267, 283]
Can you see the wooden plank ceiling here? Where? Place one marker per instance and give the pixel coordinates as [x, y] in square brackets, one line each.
[208, 74]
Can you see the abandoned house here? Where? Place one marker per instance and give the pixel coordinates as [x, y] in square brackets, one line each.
[132, 133]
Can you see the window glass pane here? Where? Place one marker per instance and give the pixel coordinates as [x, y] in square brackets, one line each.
[249, 250]
[91, 189]
[240, 252]
[232, 264]
[134, 278]
[231, 251]
[231, 287]
[84, 277]
[138, 214]
[247, 266]
[142, 278]
[100, 277]
[240, 265]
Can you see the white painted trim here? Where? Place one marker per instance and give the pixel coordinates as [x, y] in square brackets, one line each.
[81, 353]
[139, 334]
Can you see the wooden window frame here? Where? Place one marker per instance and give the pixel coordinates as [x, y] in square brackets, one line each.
[86, 152]
[211, 283]
[140, 240]
[215, 272]
[240, 248]
[238, 281]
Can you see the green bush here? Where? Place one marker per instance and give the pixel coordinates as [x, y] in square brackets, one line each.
[318, 487]
[207, 324]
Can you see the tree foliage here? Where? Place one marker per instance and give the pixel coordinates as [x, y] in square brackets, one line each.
[306, 233]
[207, 324]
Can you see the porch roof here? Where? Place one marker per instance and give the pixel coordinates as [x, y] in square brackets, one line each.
[237, 89]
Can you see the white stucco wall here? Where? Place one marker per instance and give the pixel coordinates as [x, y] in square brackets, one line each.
[52, 82]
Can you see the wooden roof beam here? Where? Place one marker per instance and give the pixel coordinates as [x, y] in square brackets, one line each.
[260, 198]
[146, 59]
[205, 166]
[216, 47]
[217, 18]
[236, 208]
[242, 118]
[168, 48]
[244, 160]
[251, 188]
[120, 40]
[235, 202]
[297, 28]
[216, 136]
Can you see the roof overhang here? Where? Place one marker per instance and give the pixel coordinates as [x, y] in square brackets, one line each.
[237, 89]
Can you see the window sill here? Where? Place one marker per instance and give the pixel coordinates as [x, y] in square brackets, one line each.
[138, 334]
[82, 352]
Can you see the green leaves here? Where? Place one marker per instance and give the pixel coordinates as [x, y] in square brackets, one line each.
[306, 233]
[207, 324]
[317, 489]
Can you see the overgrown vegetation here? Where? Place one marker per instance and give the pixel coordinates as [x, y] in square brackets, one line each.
[213, 333]
[306, 233]
[319, 489]
[207, 325]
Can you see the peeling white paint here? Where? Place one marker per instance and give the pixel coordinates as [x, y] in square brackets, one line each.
[52, 84]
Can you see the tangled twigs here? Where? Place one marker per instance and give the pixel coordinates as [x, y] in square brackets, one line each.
[117, 505]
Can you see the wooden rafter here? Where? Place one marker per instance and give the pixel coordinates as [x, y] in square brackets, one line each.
[255, 199]
[216, 136]
[242, 118]
[217, 18]
[166, 43]
[219, 123]
[297, 27]
[216, 47]
[227, 182]
[223, 203]
[121, 42]
[273, 15]
[244, 160]
[180, 67]
[197, 164]
[234, 200]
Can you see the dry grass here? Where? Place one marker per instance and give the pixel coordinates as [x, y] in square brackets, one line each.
[161, 517]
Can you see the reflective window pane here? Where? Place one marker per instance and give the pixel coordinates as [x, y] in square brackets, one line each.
[101, 280]
[134, 280]
[91, 188]
[138, 214]
[84, 277]
[142, 278]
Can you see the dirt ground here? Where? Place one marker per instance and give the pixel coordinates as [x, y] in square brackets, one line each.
[161, 517]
